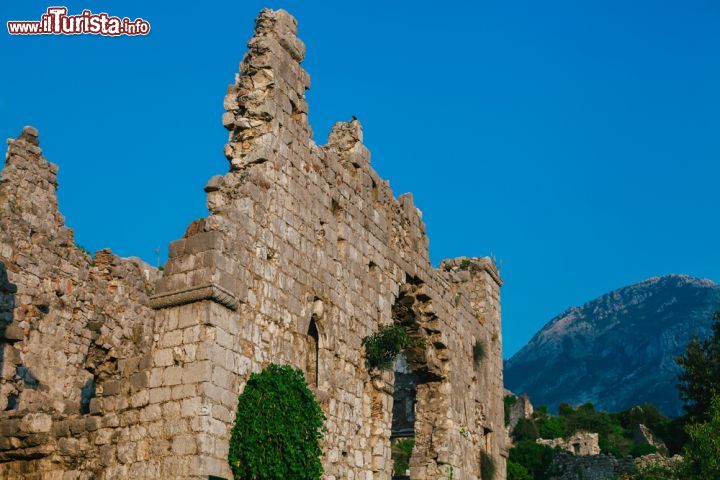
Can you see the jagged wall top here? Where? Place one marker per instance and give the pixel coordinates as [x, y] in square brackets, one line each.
[268, 92]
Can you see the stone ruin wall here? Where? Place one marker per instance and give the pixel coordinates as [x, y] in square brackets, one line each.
[579, 443]
[112, 369]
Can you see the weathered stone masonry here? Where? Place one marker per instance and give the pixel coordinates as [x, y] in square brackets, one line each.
[112, 369]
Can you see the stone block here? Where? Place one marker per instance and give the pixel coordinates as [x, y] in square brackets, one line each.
[36, 423]
[184, 445]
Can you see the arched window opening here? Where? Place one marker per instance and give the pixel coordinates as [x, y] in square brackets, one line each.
[313, 353]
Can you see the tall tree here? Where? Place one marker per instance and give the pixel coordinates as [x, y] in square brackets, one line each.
[700, 375]
[702, 454]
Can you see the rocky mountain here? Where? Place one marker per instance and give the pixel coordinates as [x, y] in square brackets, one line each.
[617, 350]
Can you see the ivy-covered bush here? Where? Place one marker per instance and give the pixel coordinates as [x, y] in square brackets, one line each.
[278, 428]
[383, 346]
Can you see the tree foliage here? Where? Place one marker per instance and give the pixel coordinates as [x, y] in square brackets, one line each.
[702, 453]
[535, 458]
[278, 428]
[700, 375]
[549, 426]
[525, 430]
[646, 414]
[642, 450]
[515, 471]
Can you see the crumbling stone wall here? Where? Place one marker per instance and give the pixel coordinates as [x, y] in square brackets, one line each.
[580, 443]
[522, 408]
[112, 369]
[74, 330]
[566, 466]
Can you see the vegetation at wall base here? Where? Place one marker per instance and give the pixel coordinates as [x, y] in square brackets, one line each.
[278, 428]
[515, 471]
[535, 458]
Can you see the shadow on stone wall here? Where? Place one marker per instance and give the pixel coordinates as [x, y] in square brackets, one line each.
[9, 333]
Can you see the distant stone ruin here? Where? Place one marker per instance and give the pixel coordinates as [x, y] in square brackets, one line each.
[580, 443]
[112, 369]
[520, 408]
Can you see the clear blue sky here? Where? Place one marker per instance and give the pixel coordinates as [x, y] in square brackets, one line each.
[579, 142]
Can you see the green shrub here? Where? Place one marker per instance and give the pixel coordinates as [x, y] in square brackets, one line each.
[525, 430]
[487, 466]
[479, 352]
[642, 450]
[534, 457]
[401, 452]
[551, 427]
[278, 428]
[700, 373]
[515, 471]
[702, 453]
[565, 409]
[383, 346]
[646, 414]
[613, 439]
[541, 411]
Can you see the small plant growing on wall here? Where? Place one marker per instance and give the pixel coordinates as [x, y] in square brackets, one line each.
[487, 466]
[401, 452]
[383, 346]
[278, 428]
[479, 352]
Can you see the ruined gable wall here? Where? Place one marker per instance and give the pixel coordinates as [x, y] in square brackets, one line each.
[297, 233]
[296, 228]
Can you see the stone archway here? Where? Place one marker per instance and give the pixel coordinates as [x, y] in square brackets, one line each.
[421, 383]
[312, 334]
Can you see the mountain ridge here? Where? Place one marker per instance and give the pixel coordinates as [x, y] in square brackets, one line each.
[617, 350]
